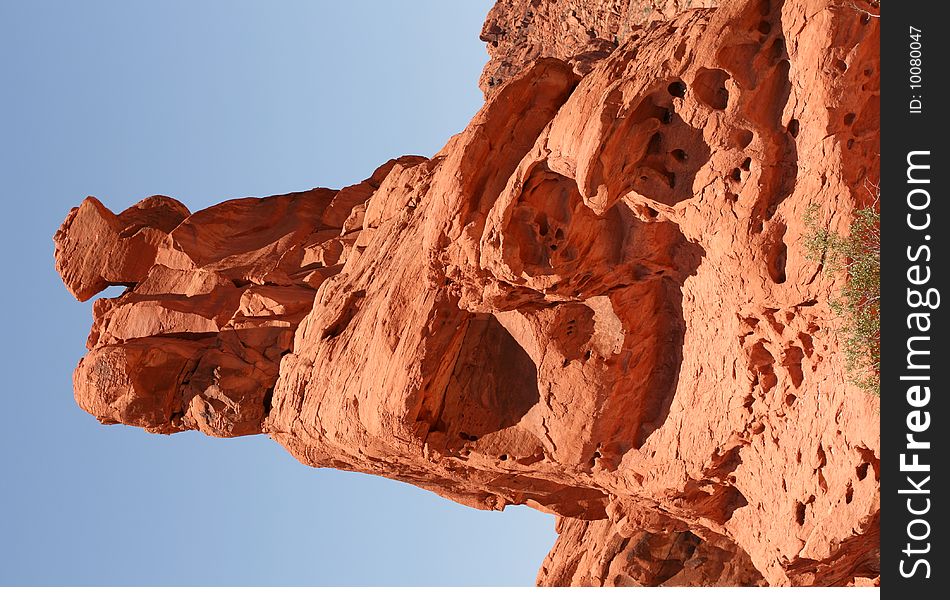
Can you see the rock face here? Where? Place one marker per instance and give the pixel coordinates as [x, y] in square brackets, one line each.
[579, 33]
[595, 300]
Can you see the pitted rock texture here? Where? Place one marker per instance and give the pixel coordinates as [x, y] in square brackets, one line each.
[580, 33]
[594, 301]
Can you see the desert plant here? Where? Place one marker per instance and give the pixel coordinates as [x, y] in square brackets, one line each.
[858, 257]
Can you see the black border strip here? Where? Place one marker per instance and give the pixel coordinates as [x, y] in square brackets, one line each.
[914, 270]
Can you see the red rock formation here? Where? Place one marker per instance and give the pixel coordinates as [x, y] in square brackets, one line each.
[594, 301]
[579, 33]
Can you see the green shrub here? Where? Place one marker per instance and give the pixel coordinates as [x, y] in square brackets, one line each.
[858, 257]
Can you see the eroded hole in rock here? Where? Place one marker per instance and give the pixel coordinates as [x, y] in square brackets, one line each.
[742, 138]
[679, 553]
[114, 290]
[776, 266]
[779, 163]
[793, 128]
[268, 401]
[492, 385]
[639, 153]
[862, 471]
[792, 361]
[724, 464]
[677, 89]
[645, 213]
[542, 221]
[822, 457]
[868, 458]
[777, 50]
[777, 252]
[680, 51]
[709, 85]
[550, 228]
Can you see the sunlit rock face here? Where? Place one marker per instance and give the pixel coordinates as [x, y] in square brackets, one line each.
[594, 300]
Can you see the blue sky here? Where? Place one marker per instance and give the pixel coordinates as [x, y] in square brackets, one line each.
[206, 101]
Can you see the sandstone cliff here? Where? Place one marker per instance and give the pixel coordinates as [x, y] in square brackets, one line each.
[594, 300]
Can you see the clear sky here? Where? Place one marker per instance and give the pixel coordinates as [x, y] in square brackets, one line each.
[206, 101]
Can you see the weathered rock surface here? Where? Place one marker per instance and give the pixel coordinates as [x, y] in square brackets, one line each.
[579, 33]
[594, 301]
